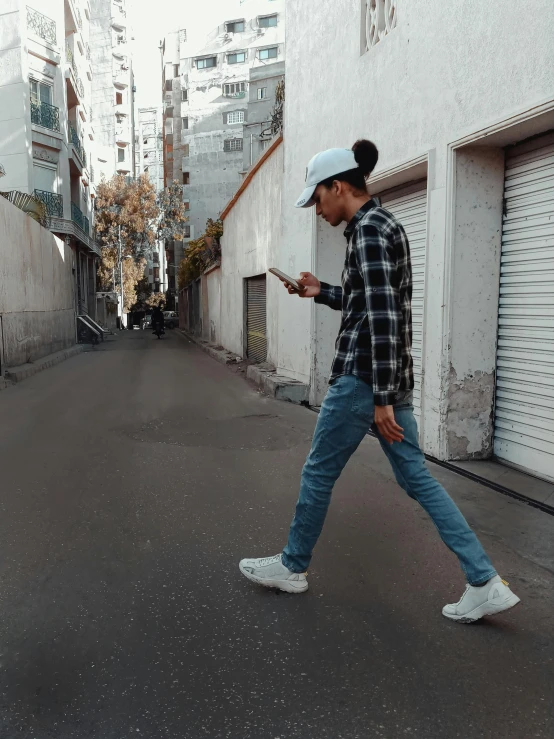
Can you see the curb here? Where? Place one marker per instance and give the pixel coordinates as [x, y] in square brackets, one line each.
[24, 371]
[278, 386]
[220, 355]
[263, 376]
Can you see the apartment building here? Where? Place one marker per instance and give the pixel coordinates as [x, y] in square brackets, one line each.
[149, 161]
[46, 131]
[113, 88]
[207, 88]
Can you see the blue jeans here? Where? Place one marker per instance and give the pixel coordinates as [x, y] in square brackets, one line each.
[346, 415]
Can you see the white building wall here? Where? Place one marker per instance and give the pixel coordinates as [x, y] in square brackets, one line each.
[249, 246]
[448, 70]
[37, 289]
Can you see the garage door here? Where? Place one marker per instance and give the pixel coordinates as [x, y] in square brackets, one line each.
[256, 346]
[524, 415]
[410, 207]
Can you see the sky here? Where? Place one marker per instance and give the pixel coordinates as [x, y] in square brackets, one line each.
[151, 20]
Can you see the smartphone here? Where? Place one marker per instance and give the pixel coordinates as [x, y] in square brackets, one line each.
[289, 280]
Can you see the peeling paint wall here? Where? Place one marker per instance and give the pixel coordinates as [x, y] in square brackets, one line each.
[469, 416]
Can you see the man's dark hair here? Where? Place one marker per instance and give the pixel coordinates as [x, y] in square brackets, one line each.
[366, 154]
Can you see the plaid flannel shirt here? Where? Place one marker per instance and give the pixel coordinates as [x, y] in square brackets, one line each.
[375, 336]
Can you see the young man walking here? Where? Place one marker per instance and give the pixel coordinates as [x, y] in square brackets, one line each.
[371, 385]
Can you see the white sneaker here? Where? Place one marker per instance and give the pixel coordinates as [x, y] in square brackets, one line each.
[492, 598]
[272, 573]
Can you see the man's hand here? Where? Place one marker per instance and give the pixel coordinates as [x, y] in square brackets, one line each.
[311, 285]
[386, 425]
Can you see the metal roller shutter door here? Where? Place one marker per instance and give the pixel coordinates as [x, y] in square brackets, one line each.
[410, 209]
[524, 413]
[256, 348]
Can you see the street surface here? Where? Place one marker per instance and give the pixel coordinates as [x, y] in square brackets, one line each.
[133, 479]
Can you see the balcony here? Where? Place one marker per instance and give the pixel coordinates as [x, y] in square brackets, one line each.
[77, 94]
[45, 115]
[52, 201]
[121, 78]
[119, 23]
[75, 141]
[77, 216]
[122, 136]
[42, 26]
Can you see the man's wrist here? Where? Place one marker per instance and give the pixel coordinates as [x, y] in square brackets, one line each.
[381, 399]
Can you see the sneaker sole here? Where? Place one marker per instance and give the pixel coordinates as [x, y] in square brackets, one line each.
[286, 586]
[490, 608]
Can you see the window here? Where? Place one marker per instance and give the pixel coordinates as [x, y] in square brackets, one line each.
[235, 27]
[156, 273]
[264, 144]
[186, 150]
[206, 63]
[262, 93]
[184, 96]
[234, 89]
[270, 53]
[175, 70]
[45, 177]
[186, 204]
[119, 98]
[40, 92]
[168, 85]
[185, 123]
[378, 19]
[238, 57]
[267, 21]
[121, 155]
[186, 231]
[232, 145]
[186, 178]
[236, 116]
[145, 142]
[146, 155]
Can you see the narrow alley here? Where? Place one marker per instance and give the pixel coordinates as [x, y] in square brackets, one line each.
[134, 478]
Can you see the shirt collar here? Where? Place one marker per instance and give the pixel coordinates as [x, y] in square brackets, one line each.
[371, 203]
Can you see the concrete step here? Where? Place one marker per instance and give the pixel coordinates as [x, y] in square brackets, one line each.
[277, 385]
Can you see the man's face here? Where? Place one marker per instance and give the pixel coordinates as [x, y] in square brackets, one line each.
[328, 203]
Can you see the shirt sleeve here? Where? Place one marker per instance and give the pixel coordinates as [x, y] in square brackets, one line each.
[376, 260]
[330, 295]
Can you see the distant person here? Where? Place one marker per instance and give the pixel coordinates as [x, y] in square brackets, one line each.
[158, 318]
[371, 385]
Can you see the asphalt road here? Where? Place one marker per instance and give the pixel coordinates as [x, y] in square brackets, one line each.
[133, 479]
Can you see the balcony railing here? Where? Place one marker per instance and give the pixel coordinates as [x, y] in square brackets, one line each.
[76, 141]
[46, 115]
[77, 216]
[41, 25]
[52, 201]
[79, 19]
[71, 59]
[87, 51]
[86, 227]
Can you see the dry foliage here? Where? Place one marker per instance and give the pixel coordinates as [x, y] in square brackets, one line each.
[201, 253]
[155, 300]
[128, 209]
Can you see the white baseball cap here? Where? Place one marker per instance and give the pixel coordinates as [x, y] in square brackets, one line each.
[324, 165]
